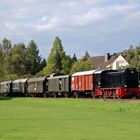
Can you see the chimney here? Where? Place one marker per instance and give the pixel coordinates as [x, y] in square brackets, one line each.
[107, 57]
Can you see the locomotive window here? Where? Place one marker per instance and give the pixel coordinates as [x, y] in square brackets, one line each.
[113, 79]
[131, 78]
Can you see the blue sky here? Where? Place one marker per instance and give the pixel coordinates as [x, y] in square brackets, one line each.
[98, 26]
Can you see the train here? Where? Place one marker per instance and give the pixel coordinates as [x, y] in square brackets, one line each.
[91, 84]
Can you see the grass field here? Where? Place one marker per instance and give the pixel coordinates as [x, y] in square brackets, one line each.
[68, 119]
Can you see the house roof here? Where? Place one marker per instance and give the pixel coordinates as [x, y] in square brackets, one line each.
[100, 63]
[110, 61]
[97, 60]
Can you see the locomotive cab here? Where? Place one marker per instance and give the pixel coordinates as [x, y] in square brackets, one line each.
[100, 81]
[119, 84]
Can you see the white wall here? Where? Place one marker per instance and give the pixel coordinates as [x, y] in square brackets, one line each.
[119, 62]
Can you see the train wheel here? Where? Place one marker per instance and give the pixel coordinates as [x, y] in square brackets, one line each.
[75, 95]
[66, 95]
[93, 95]
[54, 95]
[134, 97]
[44, 95]
[100, 97]
[104, 96]
[115, 96]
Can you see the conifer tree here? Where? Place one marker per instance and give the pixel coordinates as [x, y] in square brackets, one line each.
[73, 59]
[54, 63]
[33, 59]
[86, 56]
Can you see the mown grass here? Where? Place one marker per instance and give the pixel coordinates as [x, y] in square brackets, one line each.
[68, 119]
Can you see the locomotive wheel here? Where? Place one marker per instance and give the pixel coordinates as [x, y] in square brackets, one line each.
[114, 95]
[104, 96]
[117, 97]
[134, 97]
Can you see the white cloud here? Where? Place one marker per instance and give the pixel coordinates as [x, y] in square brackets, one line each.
[48, 24]
[76, 19]
[9, 26]
[91, 16]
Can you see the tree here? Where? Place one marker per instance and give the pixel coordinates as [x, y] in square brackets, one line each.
[6, 45]
[81, 66]
[136, 59]
[1, 63]
[66, 64]
[5, 49]
[129, 53]
[43, 64]
[16, 60]
[73, 59]
[33, 59]
[86, 56]
[54, 63]
[132, 55]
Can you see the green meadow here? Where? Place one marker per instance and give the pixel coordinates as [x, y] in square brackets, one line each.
[68, 119]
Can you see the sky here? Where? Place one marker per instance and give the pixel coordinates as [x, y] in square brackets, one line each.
[96, 26]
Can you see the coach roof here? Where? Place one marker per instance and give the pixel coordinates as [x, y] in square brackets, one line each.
[36, 79]
[20, 80]
[99, 71]
[56, 77]
[6, 82]
[84, 73]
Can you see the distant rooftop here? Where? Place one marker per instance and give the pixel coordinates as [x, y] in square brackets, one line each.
[100, 62]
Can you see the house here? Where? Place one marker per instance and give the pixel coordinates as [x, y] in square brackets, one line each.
[108, 62]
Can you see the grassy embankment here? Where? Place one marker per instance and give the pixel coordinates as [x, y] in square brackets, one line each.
[68, 119]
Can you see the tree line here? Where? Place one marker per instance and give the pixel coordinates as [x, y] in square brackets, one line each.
[132, 55]
[59, 62]
[21, 61]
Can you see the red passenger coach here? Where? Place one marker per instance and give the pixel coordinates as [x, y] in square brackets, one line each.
[82, 83]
